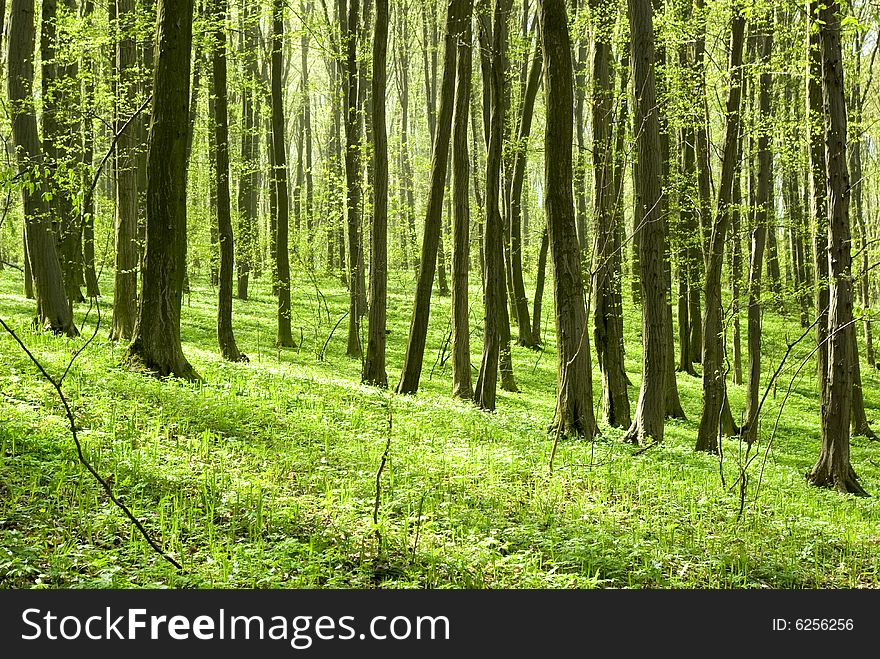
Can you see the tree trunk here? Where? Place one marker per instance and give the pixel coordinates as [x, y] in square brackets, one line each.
[352, 178]
[88, 208]
[833, 468]
[225, 334]
[574, 387]
[248, 181]
[715, 404]
[651, 408]
[540, 278]
[280, 179]
[763, 210]
[462, 386]
[496, 327]
[156, 344]
[608, 306]
[53, 309]
[308, 206]
[456, 17]
[374, 366]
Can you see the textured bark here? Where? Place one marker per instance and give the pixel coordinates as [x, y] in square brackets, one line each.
[651, 408]
[53, 310]
[156, 344]
[704, 169]
[819, 205]
[374, 365]
[462, 386]
[225, 335]
[352, 180]
[763, 210]
[248, 181]
[496, 327]
[574, 388]
[516, 207]
[716, 408]
[540, 278]
[415, 347]
[833, 468]
[88, 208]
[280, 180]
[607, 302]
[58, 138]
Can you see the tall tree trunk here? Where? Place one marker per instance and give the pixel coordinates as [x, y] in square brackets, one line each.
[53, 309]
[540, 278]
[574, 387]
[651, 408]
[308, 205]
[248, 181]
[736, 267]
[225, 335]
[156, 344]
[88, 208]
[715, 403]
[352, 178]
[462, 386]
[374, 365]
[406, 173]
[456, 17]
[517, 180]
[820, 203]
[833, 468]
[608, 305]
[496, 324]
[280, 179]
[763, 210]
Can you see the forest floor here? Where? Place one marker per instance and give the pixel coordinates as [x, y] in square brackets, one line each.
[264, 475]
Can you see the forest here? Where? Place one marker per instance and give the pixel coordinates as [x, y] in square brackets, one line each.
[420, 294]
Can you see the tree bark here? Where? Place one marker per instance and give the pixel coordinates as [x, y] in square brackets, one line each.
[715, 404]
[415, 347]
[651, 408]
[156, 344]
[225, 335]
[462, 386]
[374, 365]
[833, 468]
[249, 179]
[280, 179]
[574, 387]
[53, 309]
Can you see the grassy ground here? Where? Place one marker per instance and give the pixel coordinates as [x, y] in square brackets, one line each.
[264, 474]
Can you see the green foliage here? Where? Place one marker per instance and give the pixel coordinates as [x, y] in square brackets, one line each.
[263, 476]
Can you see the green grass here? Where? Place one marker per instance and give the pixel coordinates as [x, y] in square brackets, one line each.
[264, 474]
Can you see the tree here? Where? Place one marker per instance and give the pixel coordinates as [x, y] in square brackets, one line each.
[374, 365]
[225, 335]
[156, 343]
[456, 17]
[53, 310]
[715, 403]
[280, 180]
[574, 388]
[461, 350]
[608, 303]
[352, 179]
[833, 469]
[651, 407]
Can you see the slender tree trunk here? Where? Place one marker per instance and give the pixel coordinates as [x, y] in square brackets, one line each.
[352, 178]
[156, 344]
[461, 350]
[225, 335]
[374, 365]
[540, 278]
[456, 17]
[736, 274]
[280, 179]
[607, 305]
[833, 468]
[715, 404]
[248, 181]
[53, 309]
[574, 387]
[763, 211]
[88, 208]
[651, 408]
[820, 203]
[308, 206]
